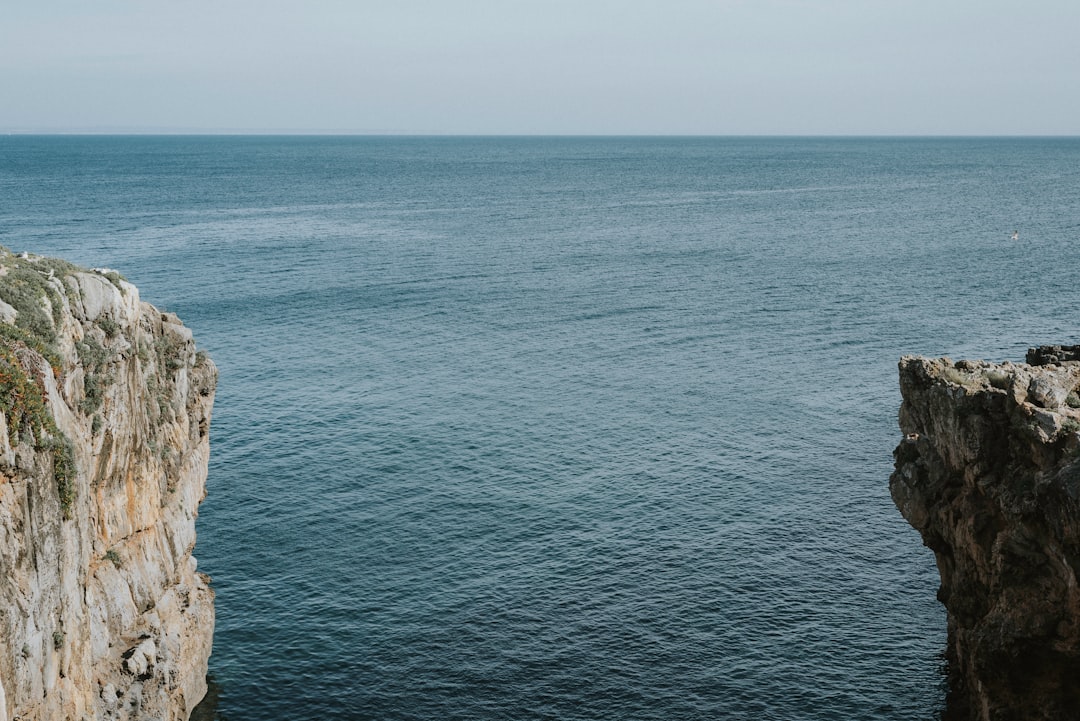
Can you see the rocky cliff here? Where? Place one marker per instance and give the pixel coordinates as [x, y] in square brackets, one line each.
[989, 474]
[104, 416]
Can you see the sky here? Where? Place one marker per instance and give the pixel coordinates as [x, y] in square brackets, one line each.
[631, 67]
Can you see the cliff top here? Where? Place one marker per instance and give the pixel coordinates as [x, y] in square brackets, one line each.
[32, 289]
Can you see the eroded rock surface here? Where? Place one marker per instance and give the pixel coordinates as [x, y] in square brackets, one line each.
[989, 474]
[104, 420]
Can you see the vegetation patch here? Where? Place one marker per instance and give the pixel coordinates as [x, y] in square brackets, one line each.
[95, 359]
[28, 286]
[113, 277]
[168, 358]
[110, 326]
[64, 471]
[168, 350]
[998, 378]
[22, 399]
[12, 336]
[160, 393]
[958, 377]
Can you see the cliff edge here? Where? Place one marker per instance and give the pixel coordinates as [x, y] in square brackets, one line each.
[104, 419]
[989, 473]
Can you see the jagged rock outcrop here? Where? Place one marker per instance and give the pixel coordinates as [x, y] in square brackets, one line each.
[104, 420]
[989, 474]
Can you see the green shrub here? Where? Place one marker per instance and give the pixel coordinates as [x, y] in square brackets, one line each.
[94, 357]
[64, 472]
[168, 353]
[29, 292]
[11, 336]
[113, 277]
[22, 400]
[110, 326]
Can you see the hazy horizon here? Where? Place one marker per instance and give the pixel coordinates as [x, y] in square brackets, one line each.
[481, 67]
[228, 132]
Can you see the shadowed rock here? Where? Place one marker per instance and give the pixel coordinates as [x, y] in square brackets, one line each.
[988, 472]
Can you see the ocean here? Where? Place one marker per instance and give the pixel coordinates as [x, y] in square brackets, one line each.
[567, 428]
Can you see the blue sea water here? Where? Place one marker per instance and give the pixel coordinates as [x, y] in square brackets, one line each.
[567, 428]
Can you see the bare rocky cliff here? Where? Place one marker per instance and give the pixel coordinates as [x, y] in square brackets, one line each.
[104, 419]
[989, 473]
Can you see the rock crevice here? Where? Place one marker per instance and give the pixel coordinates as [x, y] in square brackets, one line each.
[988, 472]
[104, 416]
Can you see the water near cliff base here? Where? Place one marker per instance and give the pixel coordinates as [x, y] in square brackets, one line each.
[567, 428]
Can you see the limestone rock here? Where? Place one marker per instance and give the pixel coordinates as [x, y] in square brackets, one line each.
[1047, 393]
[988, 472]
[141, 658]
[104, 442]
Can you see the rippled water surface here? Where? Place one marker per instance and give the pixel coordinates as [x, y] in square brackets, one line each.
[567, 428]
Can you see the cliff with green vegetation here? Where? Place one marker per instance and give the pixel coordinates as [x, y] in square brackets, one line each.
[104, 420]
[989, 473]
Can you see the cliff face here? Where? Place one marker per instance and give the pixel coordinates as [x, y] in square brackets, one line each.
[989, 474]
[104, 417]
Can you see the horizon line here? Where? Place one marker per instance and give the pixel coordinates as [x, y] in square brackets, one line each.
[225, 132]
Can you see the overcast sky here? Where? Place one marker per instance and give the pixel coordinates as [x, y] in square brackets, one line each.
[542, 66]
